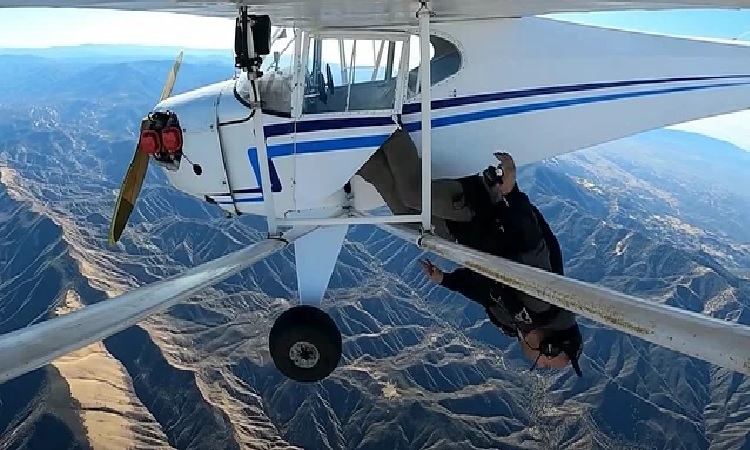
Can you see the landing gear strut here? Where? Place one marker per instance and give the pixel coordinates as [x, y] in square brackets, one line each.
[305, 344]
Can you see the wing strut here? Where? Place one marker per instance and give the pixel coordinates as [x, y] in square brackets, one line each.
[35, 346]
[250, 47]
[725, 344]
[426, 92]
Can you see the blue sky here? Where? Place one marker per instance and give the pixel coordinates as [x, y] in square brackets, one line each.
[725, 24]
[21, 28]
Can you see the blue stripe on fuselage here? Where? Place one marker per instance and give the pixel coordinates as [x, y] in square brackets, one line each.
[476, 116]
[374, 140]
[307, 126]
[413, 108]
[241, 200]
[328, 145]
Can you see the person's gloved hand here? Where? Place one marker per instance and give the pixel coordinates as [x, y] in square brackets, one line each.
[432, 271]
[509, 173]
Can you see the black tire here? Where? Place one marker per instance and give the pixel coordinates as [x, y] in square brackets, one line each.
[305, 344]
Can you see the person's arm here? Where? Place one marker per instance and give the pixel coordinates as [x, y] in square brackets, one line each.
[474, 287]
[553, 245]
[467, 283]
[514, 211]
[522, 233]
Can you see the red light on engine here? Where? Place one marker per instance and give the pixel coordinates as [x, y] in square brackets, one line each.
[171, 137]
[149, 142]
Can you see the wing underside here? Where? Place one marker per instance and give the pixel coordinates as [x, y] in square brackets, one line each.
[720, 342]
[34, 346]
[358, 13]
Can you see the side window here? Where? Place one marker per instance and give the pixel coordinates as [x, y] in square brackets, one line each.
[281, 60]
[445, 60]
[275, 86]
[351, 75]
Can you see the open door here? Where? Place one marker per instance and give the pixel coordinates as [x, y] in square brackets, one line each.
[351, 93]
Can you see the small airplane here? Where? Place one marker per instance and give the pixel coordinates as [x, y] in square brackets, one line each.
[287, 145]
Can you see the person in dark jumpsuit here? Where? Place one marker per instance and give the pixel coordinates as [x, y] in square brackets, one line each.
[493, 217]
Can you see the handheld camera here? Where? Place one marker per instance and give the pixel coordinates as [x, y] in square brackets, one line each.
[493, 175]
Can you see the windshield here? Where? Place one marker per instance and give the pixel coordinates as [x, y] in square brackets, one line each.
[276, 84]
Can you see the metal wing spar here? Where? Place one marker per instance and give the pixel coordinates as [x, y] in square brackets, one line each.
[725, 344]
[362, 13]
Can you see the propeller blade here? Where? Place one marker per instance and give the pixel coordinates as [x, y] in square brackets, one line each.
[133, 181]
[167, 91]
[131, 187]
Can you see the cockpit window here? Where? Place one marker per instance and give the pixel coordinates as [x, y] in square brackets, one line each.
[351, 74]
[345, 74]
[445, 61]
[360, 74]
[276, 84]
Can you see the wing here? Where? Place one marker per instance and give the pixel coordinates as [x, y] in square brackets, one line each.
[694, 334]
[34, 346]
[360, 13]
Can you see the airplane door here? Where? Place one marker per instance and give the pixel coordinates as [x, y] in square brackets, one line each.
[349, 97]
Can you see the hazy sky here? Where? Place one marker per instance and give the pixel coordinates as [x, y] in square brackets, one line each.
[45, 27]
[55, 27]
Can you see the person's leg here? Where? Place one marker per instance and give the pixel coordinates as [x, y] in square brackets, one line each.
[377, 172]
[406, 167]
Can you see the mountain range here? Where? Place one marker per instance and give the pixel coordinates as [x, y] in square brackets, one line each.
[658, 215]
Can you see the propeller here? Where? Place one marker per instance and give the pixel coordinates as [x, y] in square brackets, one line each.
[131, 185]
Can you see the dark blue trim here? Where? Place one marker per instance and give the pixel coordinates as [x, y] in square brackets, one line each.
[413, 108]
[242, 200]
[306, 126]
[369, 141]
[301, 148]
[252, 154]
[237, 191]
[353, 142]
[247, 191]
[328, 145]
[475, 116]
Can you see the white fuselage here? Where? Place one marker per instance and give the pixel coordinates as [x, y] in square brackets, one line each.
[533, 87]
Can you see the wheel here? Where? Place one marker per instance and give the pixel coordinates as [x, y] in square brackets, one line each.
[305, 344]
